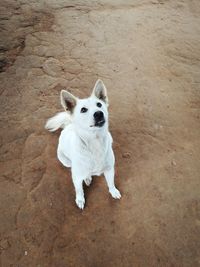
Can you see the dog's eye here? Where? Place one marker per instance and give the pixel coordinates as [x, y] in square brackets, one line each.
[99, 105]
[83, 110]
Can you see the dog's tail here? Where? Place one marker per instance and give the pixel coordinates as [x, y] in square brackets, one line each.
[60, 120]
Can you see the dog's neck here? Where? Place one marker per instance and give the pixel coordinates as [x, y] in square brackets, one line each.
[87, 137]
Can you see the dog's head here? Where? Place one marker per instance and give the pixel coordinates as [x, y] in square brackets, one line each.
[89, 113]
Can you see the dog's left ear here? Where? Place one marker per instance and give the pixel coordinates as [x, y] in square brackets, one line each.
[100, 91]
[68, 101]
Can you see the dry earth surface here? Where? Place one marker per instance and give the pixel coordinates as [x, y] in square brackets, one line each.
[148, 54]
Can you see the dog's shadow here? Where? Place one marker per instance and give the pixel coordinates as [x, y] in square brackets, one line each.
[97, 187]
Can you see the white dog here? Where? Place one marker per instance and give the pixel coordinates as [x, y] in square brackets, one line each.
[85, 143]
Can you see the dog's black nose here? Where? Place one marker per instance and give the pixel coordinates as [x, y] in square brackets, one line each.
[98, 115]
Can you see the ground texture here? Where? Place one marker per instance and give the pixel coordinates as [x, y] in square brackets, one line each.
[147, 52]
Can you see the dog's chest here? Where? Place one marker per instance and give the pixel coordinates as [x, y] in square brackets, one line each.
[96, 155]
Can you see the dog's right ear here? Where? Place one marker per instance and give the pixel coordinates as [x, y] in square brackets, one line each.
[68, 101]
[100, 91]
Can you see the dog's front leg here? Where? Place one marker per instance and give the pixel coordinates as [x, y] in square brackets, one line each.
[109, 175]
[78, 184]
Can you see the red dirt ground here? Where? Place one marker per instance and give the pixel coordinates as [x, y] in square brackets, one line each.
[147, 52]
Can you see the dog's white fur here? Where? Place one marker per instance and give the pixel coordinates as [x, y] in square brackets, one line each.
[83, 146]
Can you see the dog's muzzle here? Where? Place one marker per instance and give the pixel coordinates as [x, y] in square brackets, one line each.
[99, 119]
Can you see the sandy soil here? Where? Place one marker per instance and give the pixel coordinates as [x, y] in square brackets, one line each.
[148, 54]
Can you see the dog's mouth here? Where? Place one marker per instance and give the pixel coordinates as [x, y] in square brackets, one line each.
[99, 123]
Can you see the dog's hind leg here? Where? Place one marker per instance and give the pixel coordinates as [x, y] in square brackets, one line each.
[88, 180]
[63, 159]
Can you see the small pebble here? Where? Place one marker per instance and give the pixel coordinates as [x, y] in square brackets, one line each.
[173, 162]
[126, 155]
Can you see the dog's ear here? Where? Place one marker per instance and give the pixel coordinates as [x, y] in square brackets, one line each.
[68, 101]
[100, 91]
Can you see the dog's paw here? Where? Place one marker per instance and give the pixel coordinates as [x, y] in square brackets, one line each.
[88, 181]
[80, 202]
[115, 193]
